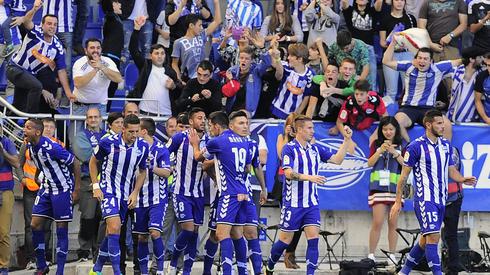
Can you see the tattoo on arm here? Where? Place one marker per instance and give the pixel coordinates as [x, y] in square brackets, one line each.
[295, 176]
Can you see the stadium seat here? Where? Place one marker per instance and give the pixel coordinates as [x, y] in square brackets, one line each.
[130, 76]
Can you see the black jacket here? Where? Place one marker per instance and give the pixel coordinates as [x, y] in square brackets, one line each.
[144, 66]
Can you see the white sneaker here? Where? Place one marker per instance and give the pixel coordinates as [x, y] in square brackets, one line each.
[371, 256]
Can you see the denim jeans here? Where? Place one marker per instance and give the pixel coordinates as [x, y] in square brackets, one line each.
[373, 68]
[7, 36]
[392, 76]
[144, 38]
[67, 40]
[80, 21]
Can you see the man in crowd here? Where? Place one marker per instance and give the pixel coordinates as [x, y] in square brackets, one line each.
[482, 91]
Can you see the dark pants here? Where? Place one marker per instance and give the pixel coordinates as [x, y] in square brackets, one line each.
[27, 92]
[80, 22]
[451, 219]
[28, 200]
[111, 91]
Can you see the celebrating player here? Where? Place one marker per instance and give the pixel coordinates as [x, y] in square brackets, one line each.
[430, 158]
[300, 161]
[152, 200]
[54, 199]
[122, 156]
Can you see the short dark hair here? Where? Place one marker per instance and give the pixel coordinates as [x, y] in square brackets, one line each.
[236, 114]
[183, 118]
[206, 65]
[191, 19]
[194, 111]
[220, 118]
[48, 15]
[49, 120]
[344, 38]
[424, 50]
[113, 117]
[38, 124]
[348, 60]
[148, 124]
[248, 50]
[131, 119]
[397, 139]
[92, 39]
[362, 85]
[300, 120]
[430, 115]
[155, 47]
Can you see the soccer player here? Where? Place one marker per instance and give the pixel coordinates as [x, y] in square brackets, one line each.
[122, 156]
[300, 161]
[188, 191]
[152, 200]
[54, 198]
[232, 159]
[430, 158]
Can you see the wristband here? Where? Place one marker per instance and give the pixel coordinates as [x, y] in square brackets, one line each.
[95, 186]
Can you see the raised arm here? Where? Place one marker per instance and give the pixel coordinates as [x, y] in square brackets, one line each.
[216, 20]
[388, 56]
[28, 24]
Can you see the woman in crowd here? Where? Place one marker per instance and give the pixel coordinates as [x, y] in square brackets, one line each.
[323, 20]
[281, 25]
[386, 160]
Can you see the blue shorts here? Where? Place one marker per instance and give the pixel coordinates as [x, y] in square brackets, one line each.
[189, 209]
[295, 218]
[213, 207]
[252, 217]
[56, 207]
[430, 216]
[231, 211]
[150, 217]
[112, 206]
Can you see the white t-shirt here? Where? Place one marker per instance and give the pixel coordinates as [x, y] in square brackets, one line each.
[156, 89]
[162, 25]
[138, 9]
[96, 90]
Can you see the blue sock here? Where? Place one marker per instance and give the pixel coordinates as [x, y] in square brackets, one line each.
[276, 252]
[39, 248]
[102, 257]
[312, 256]
[433, 258]
[255, 255]
[226, 255]
[180, 245]
[61, 249]
[413, 259]
[114, 252]
[159, 252]
[190, 254]
[241, 255]
[143, 257]
[210, 250]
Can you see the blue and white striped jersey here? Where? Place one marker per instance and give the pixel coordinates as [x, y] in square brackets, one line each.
[53, 161]
[35, 53]
[231, 155]
[63, 10]
[300, 14]
[188, 174]
[241, 13]
[421, 87]
[18, 8]
[430, 163]
[154, 190]
[462, 107]
[302, 160]
[292, 90]
[120, 162]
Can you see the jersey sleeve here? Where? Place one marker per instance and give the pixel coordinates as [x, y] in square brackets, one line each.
[325, 154]
[403, 65]
[163, 160]
[212, 146]
[381, 109]
[445, 67]
[143, 163]
[60, 59]
[287, 157]
[451, 153]
[61, 154]
[174, 143]
[412, 155]
[102, 149]
[254, 153]
[9, 146]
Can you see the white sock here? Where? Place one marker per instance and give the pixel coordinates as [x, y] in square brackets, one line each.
[371, 256]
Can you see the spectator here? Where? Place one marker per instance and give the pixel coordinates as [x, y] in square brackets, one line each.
[5, 21]
[482, 92]
[363, 108]
[296, 79]
[42, 50]
[326, 108]
[83, 145]
[18, 10]
[230, 53]
[422, 79]
[92, 75]
[164, 132]
[183, 122]
[479, 23]
[202, 91]
[323, 21]
[9, 159]
[163, 32]
[462, 107]
[81, 19]
[176, 12]
[281, 26]
[189, 49]
[113, 42]
[299, 7]
[243, 14]
[155, 83]
[131, 108]
[347, 46]
[386, 161]
[397, 19]
[317, 56]
[114, 123]
[244, 82]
